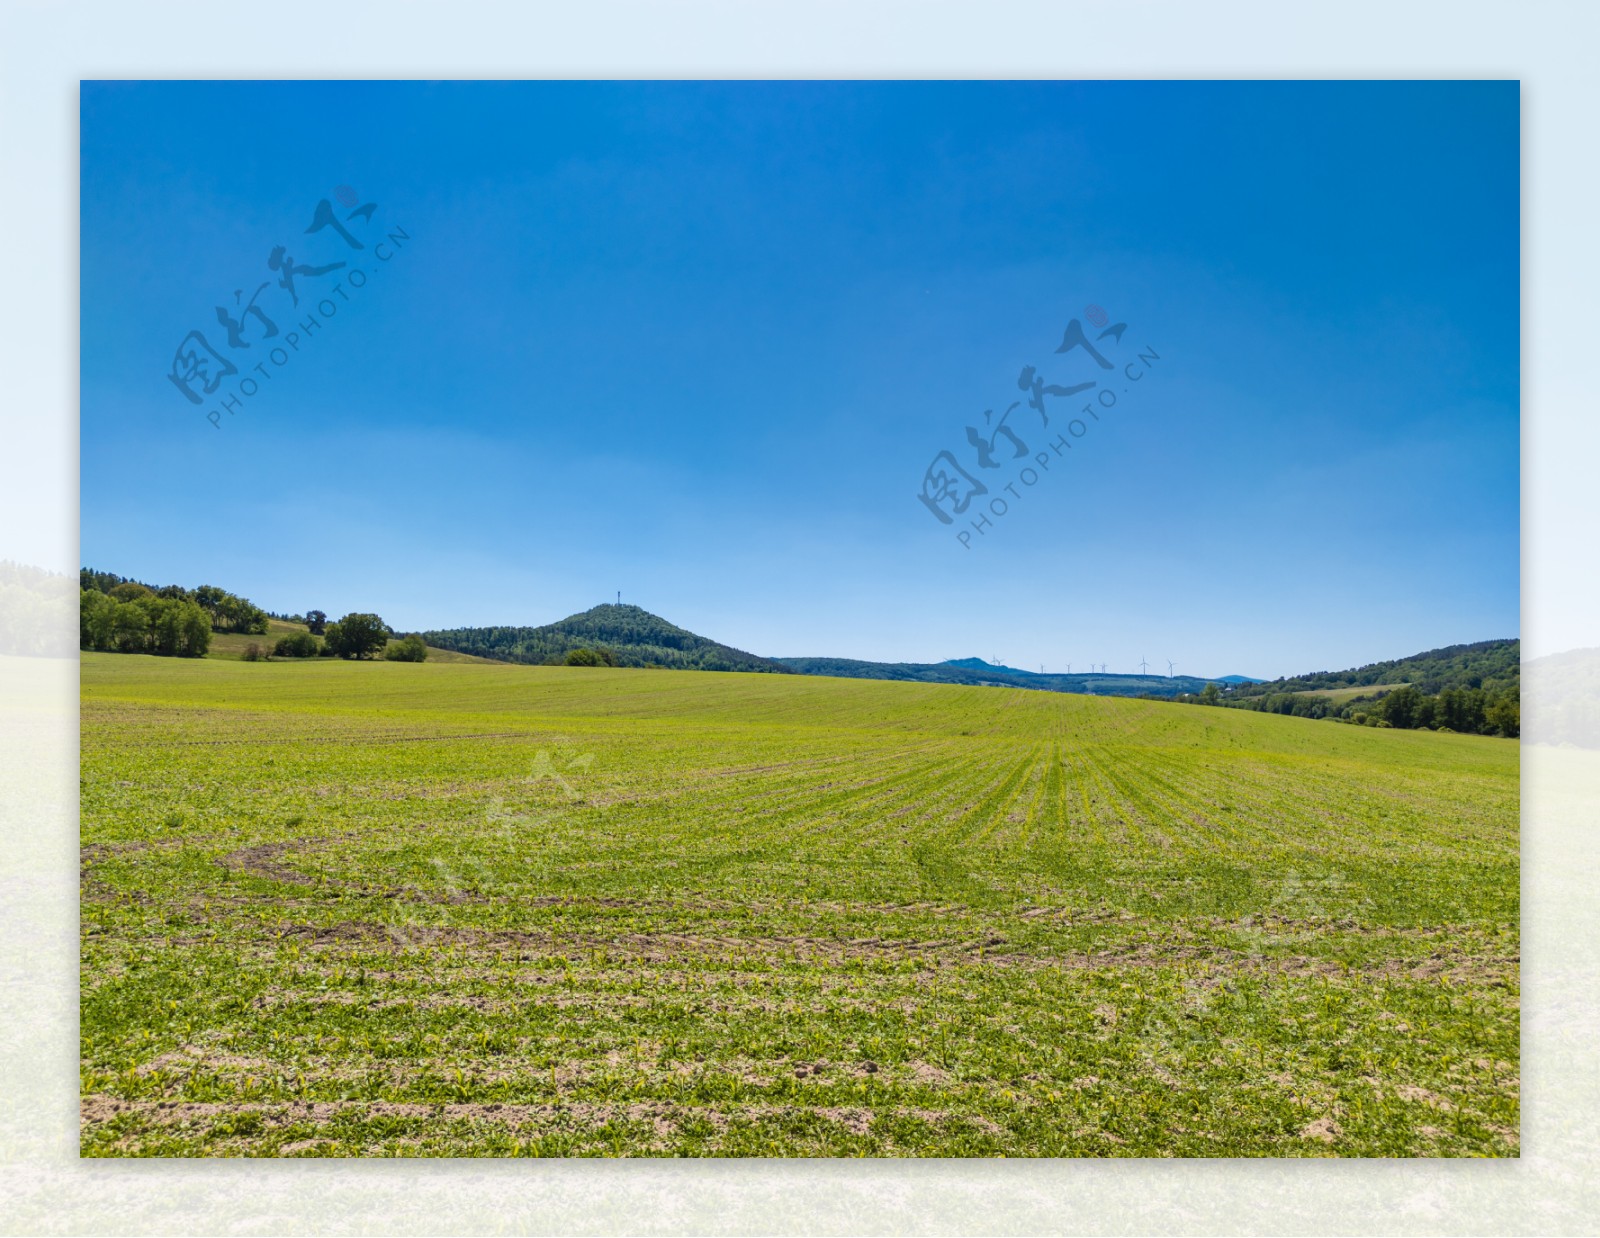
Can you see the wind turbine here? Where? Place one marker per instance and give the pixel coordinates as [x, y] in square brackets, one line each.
[1142, 664]
[1169, 668]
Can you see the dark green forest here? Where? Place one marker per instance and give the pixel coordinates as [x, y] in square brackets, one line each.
[617, 635]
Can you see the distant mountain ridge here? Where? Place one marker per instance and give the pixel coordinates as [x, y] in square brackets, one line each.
[978, 664]
[977, 672]
[633, 636]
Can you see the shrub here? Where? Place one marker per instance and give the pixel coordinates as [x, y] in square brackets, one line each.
[298, 645]
[254, 653]
[410, 649]
[591, 657]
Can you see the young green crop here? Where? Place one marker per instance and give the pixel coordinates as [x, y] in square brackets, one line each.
[376, 909]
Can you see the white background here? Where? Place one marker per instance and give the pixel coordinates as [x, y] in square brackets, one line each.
[46, 48]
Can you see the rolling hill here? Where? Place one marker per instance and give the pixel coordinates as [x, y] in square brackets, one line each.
[1482, 664]
[634, 636]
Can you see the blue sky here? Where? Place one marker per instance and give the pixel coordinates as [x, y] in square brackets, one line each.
[700, 342]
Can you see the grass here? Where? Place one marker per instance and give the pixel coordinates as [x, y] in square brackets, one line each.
[378, 909]
[1340, 695]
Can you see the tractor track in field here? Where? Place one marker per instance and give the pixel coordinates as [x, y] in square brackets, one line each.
[665, 1118]
[991, 949]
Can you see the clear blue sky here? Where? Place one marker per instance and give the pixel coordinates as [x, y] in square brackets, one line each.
[699, 343]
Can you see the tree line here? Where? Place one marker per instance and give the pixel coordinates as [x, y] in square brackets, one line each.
[126, 620]
[119, 615]
[359, 635]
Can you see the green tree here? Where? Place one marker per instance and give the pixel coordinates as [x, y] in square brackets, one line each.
[317, 621]
[360, 635]
[1399, 708]
[1503, 714]
[165, 616]
[196, 631]
[229, 612]
[99, 582]
[130, 627]
[1210, 694]
[95, 610]
[210, 599]
[149, 623]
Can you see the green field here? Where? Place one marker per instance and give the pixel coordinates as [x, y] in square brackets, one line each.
[1340, 695]
[377, 909]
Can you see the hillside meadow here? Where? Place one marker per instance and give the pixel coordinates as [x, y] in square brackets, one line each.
[381, 909]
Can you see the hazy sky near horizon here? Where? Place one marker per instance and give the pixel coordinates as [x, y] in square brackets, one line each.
[699, 343]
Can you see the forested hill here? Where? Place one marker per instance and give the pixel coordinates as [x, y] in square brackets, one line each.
[1490, 664]
[1474, 688]
[620, 635]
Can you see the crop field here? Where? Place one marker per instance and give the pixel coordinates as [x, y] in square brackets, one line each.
[388, 909]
